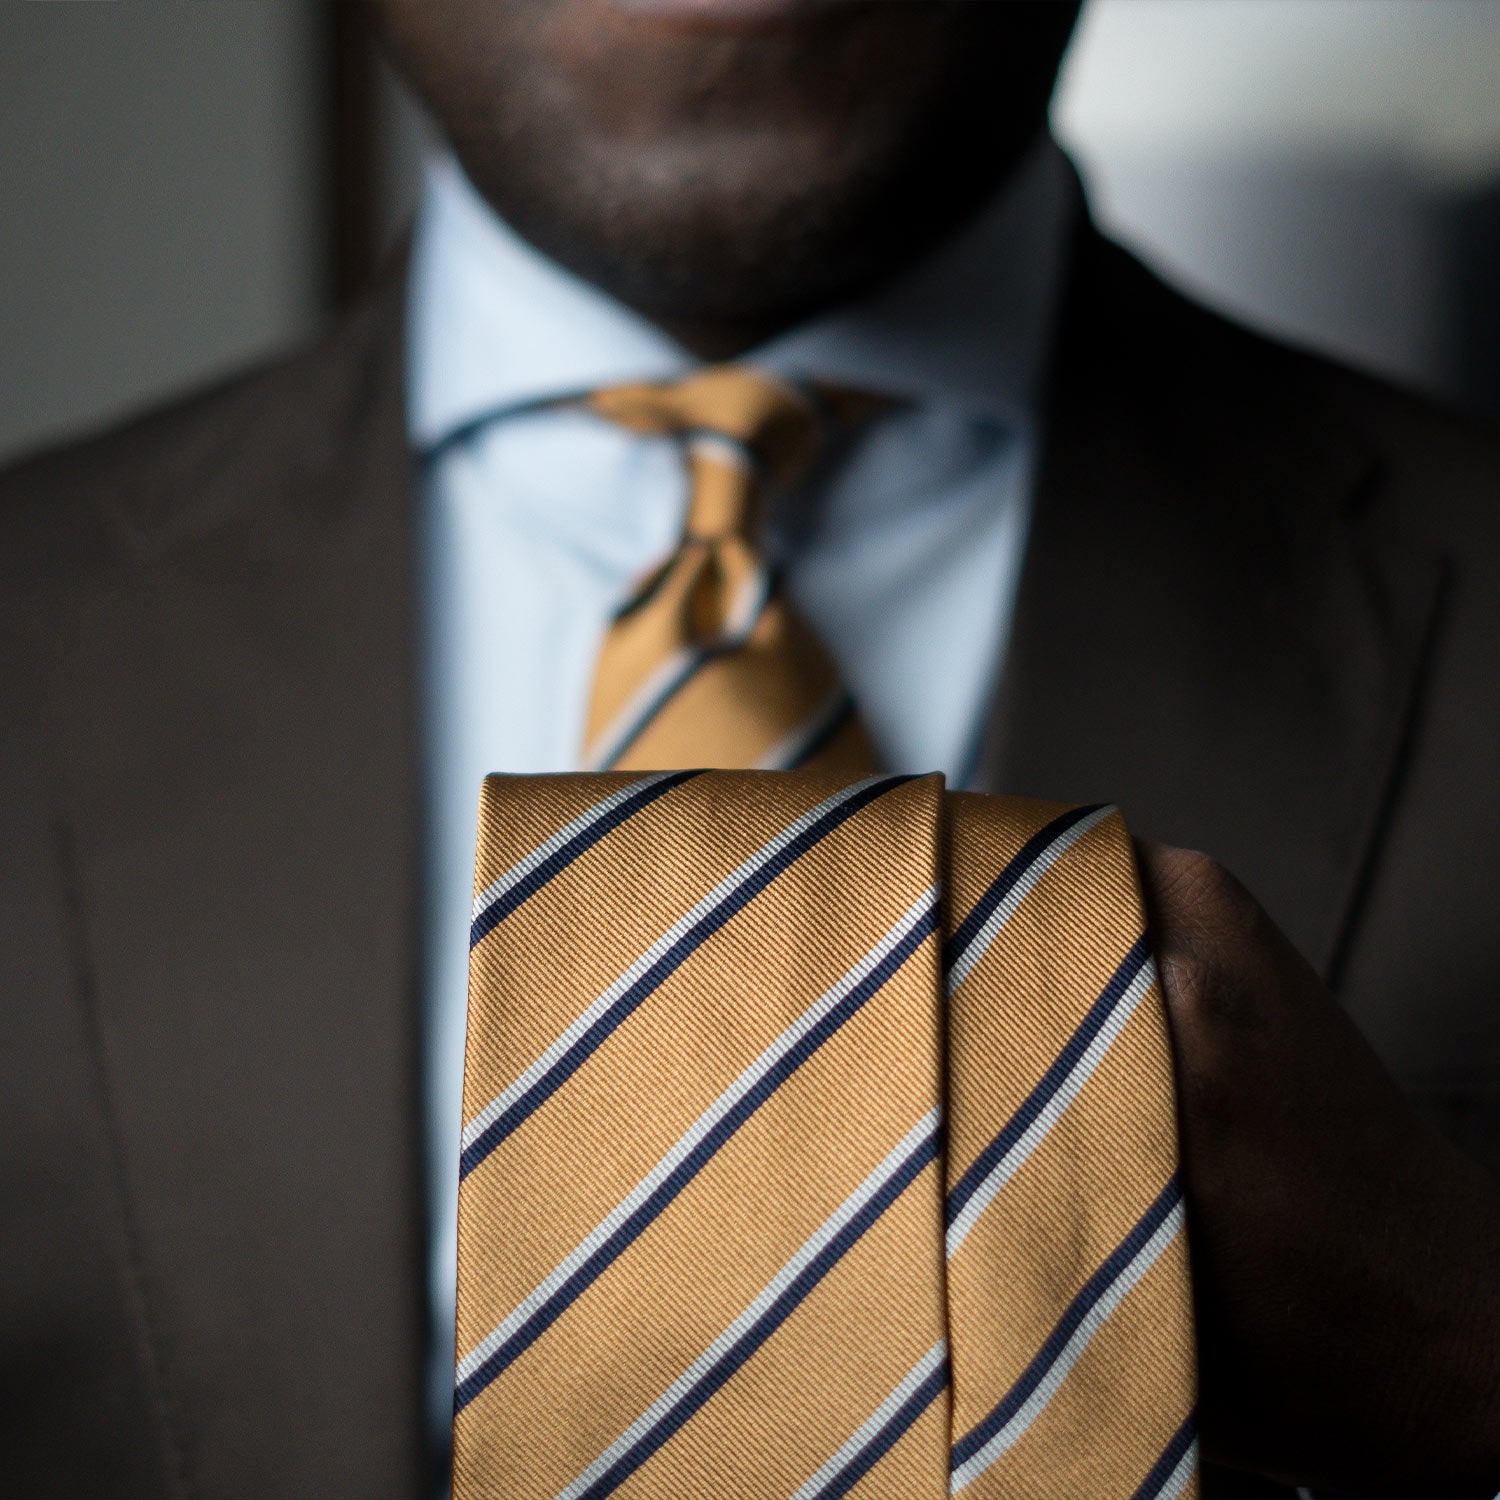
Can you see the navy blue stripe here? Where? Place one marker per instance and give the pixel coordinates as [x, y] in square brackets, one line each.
[693, 1163]
[648, 592]
[500, 908]
[774, 1316]
[670, 961]
[1051, 1081]
[1093, 1289]
[690, 669]
[1164, 1467]
[967, 930]
[695, 664]
[888, 1436]
[841, 716]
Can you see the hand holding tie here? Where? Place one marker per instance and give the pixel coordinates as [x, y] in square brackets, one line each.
[1346, 1259]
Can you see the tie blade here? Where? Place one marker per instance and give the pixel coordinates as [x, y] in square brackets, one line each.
[1061, 1107]
[764, 696]
[722, 1193]
[721, 1244]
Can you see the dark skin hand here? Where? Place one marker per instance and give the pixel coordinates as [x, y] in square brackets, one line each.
[1346, 1259]
[726, 167]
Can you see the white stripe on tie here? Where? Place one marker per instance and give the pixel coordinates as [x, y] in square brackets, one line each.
[873, 1428]
[1054, 1109]
[726, 449]
[649, 697]
[788, 750]
[1095, 1319]
[720, 893]
[701, 1127]
[959, 970]
[1187, 1466]
[543, 852]
[742, 1325]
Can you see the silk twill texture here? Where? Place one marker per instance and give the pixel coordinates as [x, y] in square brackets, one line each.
[820, 1139]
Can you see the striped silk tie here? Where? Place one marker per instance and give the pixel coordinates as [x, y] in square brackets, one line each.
[820, 1139]
[707, 663]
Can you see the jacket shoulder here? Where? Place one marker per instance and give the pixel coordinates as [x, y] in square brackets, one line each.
[183, 464]
[1433, 465]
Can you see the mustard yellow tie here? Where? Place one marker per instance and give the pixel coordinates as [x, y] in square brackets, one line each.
[707, 663]
[819, 1141]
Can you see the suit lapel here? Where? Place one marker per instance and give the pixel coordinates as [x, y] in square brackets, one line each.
[1209, 631]
[235, 710]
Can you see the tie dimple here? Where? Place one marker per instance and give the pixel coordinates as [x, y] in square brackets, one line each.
[741, 431]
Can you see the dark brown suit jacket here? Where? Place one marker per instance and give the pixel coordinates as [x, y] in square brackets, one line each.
[1261, 610]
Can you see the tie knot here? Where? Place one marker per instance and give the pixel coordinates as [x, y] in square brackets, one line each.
[767, 426]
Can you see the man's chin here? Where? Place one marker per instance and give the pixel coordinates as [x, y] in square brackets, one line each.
[744, 158]
[729, 15]
[707, 235]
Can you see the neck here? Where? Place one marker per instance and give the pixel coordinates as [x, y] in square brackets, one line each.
[725, 334]
[717, 340]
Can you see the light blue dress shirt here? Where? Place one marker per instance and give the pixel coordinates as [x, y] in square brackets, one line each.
[534, 523]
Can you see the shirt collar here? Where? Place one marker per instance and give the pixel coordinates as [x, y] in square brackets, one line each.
[496, 324]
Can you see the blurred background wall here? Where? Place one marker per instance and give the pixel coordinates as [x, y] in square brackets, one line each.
[189, 184]
[1328, 170]
[161, 169]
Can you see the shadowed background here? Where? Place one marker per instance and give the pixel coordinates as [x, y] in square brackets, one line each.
[191, 184]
